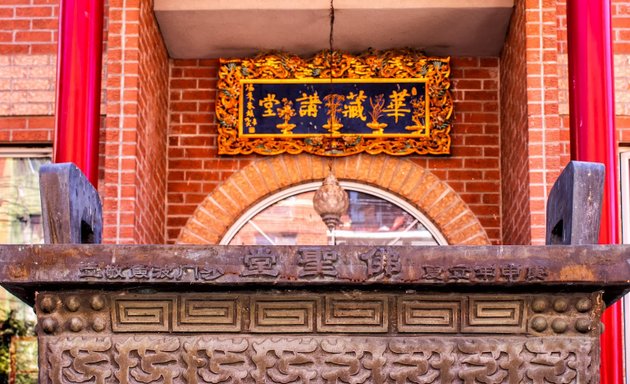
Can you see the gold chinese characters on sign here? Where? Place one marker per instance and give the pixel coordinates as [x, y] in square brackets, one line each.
[395, 102]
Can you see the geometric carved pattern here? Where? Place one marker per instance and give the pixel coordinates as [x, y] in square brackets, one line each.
[282, 314]
[215, 313]
[428, 314]
[168, 359]
[495, 314]
[141, 314]
[364, 314]
[332, 313]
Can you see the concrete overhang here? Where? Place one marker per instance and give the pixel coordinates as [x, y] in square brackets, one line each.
[241, 28]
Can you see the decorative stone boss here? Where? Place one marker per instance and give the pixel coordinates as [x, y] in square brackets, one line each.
[175, 314]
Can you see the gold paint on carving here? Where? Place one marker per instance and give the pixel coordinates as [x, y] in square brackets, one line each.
[373, 66]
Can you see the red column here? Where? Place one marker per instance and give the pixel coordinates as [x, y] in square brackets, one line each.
[79, 85]
[593, 138]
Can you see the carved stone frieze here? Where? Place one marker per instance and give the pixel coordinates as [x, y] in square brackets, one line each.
[205, 313]
[495, 314]
[92, 312]
[421, 314]
[354, 313]
[282, 314]
[166, 359]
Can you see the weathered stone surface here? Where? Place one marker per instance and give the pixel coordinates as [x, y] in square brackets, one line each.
[71, 207]
[256, 312]
[574, 204]
[483, 267]
[316, 359]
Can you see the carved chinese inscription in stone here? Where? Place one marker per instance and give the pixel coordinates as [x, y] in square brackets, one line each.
[483, 273]
[381, 262]
[339, 265]
[149, 272]
[311, 359]
[317, 262]
[261, 262]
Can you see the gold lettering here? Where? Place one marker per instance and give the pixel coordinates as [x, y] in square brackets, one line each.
[396, 107]
[268, 102]
[309, 104]
[354, 109]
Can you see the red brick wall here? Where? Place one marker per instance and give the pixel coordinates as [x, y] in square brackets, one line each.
[620, 12]
[152, 131]
[28, 44]
[132, 185]
[118, 187]
[195, 170]
[135, 126]
[535, 151]
[514, 162]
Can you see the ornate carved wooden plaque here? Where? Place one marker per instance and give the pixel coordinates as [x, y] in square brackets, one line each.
[335, 104]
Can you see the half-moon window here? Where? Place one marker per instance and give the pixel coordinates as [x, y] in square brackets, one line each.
[375, 217]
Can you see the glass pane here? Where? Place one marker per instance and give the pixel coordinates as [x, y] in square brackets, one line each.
[20, 208]
[370, 220]
[20, 223]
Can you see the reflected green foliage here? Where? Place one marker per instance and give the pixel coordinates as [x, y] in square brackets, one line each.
[26, 351]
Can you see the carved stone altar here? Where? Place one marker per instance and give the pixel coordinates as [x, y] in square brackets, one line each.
[171, 314]
[174, 314]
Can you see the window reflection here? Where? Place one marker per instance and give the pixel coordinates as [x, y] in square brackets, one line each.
[370, 220]
[20, 209]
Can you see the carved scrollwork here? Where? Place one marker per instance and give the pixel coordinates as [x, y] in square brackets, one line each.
[492, 361]
[264, 359]
[285, 360]
[422, 361]
[353, 362]
[80, 360]
[148, 360]
[216, 361]
[559, 361]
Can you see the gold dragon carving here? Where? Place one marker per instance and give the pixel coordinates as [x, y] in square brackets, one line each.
[392, 64]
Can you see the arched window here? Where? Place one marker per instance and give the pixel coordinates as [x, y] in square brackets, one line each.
[375, 217]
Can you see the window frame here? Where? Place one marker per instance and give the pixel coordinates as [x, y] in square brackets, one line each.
[348, 185]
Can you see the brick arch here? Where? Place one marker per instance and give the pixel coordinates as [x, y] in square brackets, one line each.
[265, 177]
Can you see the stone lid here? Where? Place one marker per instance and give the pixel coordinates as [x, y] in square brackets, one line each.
[26, 269]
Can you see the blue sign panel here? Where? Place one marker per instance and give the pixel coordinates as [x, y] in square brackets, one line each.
[377, 107]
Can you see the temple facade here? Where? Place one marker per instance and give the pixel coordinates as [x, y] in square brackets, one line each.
[159, 159]
[162, 179]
